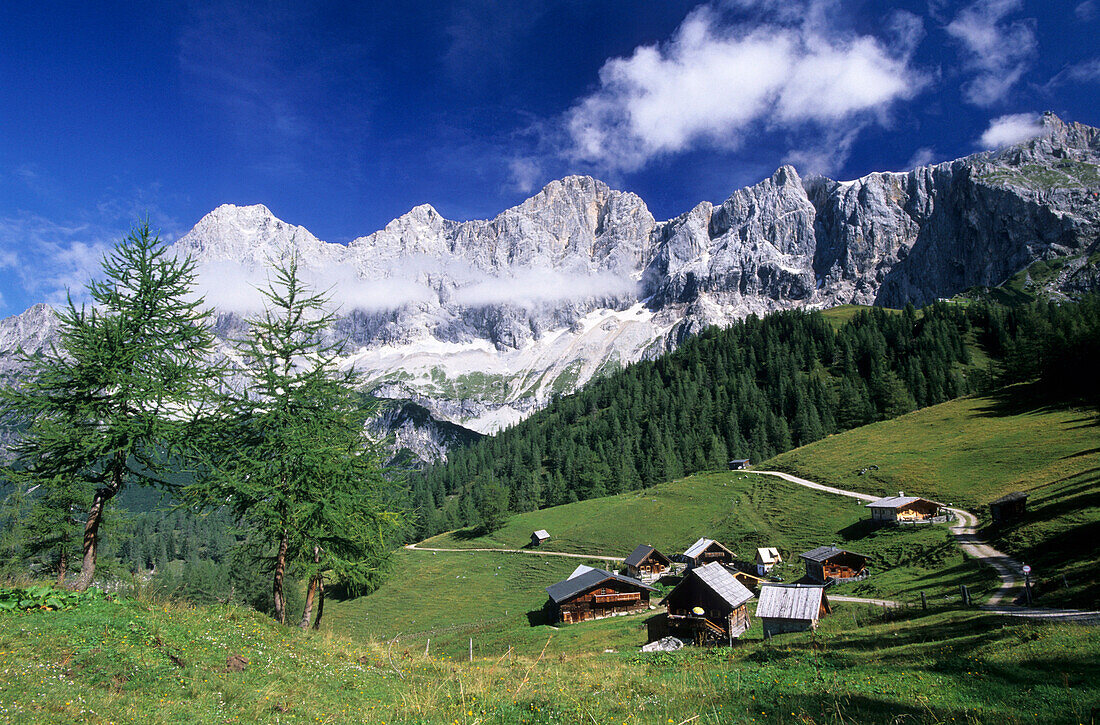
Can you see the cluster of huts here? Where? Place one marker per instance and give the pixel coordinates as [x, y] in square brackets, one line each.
[709, 603]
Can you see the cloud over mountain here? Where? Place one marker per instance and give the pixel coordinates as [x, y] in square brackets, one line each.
[714, 82]
[1010, 129]
[996, 51]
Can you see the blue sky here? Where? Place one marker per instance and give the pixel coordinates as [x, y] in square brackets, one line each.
[341, 116]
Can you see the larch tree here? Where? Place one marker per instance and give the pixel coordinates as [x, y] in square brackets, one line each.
[289, 455]
[109, 403]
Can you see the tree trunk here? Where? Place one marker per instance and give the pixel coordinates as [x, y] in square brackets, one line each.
[91, 532]
[320, 604]
[314, 581]
[62, 561]
[277, 585]
[311, 592]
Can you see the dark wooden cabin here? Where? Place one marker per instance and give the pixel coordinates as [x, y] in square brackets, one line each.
[791, 607]
[708, 606]
[646, 563]
[705, 551]
[1008, 507]
[594, 594]
[538, 537]
[902, 509]
[829, 562]
[739, 464]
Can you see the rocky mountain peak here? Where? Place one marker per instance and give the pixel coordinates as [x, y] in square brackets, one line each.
[482, 321]
[249, 235]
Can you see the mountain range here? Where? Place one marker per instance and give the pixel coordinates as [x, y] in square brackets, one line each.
[472, 325]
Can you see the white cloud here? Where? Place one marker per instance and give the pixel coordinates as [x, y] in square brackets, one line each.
[525, 174]
[1087, 11]
[236, 287]
[1087, 71]
[347, 291]
[921, 157]
[996, 52]
[530, 287]
[50, 259]
[712, 84]
[827, 152]
[1011, 129]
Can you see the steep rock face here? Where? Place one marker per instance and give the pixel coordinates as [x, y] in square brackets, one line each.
[410, 429]
[481, 322]
[31, 331]
[752, 253]
[994, 214]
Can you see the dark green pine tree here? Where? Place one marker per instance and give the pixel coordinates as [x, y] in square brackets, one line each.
[288, 453]
[109, 405]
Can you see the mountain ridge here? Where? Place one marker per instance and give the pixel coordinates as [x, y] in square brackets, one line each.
[483, 321]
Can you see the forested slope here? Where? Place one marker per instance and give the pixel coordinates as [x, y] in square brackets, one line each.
[753, 390]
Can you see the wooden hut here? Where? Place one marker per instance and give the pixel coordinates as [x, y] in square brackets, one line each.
[1008, 507]
[708, 606]
[646, 563]
[766, 558]
[594, 594]
[540, 536]
[791, 607]
[739, 464]
[902, 509]
[829, 562]
[705, 551]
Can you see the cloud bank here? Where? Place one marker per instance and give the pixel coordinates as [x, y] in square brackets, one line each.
[1007, 130]
[236, 287]
[532, 287]
[996, 51]
[713, 83]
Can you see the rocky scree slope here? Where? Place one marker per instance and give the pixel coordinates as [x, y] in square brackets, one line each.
[482, 322]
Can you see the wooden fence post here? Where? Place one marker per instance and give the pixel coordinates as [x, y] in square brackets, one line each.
[471, 649]
[923, 601]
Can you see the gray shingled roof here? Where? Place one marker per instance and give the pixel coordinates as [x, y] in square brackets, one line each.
[722, 583]
[896, 502]
[790, 601]
[640, 553]
[700, 546]
[542, 534]
[571, 587]
[823, 553]
[1014, 496]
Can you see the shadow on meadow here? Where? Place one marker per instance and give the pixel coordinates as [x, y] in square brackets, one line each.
[1032, 398]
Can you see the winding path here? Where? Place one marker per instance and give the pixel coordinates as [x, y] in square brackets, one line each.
[965, 532]
[415, 547]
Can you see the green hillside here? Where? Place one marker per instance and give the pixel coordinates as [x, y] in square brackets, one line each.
[744, 511]
[971, 451]
[149, 662]
[755, 389]
[496, 598]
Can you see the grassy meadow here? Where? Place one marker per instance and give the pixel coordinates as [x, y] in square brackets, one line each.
[141, 661]
[970, 451]
[496, 598]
